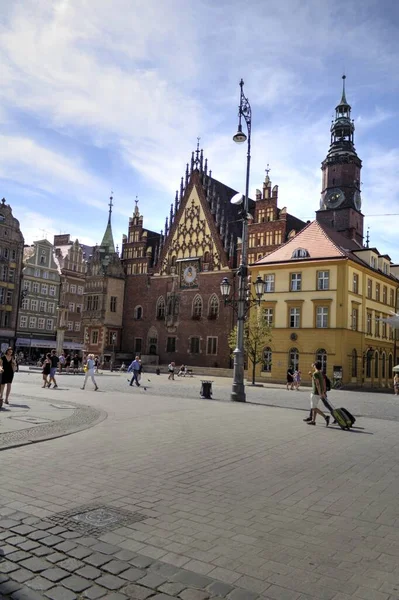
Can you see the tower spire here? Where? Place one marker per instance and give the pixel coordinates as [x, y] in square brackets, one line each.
[110, 206]
[343, 97]
[108, 238]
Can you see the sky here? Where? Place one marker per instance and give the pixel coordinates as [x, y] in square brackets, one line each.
[111, 95]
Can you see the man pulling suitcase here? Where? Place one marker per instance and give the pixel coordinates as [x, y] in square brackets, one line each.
[318, 391]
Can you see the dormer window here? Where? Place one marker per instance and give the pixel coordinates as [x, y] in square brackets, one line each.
[300, 253]
[373, 262]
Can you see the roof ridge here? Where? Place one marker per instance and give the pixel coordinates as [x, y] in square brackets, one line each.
[342, 251]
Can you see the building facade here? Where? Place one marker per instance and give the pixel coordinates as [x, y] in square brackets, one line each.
[103, 299]
[38, 314]
[70, 257]
[326, 294]
[11, 255]
[173, 306]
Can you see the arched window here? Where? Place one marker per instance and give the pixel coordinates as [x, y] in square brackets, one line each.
[293, 358]
[161, 308]
[206, 257]
[390, 366]
[267, 360]
[138, 312]
[300, 253]
[173, 261]
[152, 341]
[321, 356]
[197, 307]
[213, 309]
[376, 365]
[354, 363]
[383, 365]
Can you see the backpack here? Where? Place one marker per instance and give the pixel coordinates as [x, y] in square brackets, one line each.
[328, 383]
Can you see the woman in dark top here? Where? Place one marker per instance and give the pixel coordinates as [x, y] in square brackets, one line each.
[9, 366]
[46, 369]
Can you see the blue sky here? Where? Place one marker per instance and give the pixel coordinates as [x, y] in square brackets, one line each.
[101, 95]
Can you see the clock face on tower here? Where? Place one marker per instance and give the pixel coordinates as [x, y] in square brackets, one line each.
[357, 199]
[334, 198]
[189, 274]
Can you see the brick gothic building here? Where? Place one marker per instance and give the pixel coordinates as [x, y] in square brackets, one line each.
[173, 308]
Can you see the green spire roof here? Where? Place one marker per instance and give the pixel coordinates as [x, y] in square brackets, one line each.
[108, 239]
[343, 97]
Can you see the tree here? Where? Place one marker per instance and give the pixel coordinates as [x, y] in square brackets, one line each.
[257, 335]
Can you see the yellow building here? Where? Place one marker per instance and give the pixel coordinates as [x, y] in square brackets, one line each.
[325, 296]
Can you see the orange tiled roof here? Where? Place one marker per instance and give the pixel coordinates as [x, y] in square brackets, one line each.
[315, 239]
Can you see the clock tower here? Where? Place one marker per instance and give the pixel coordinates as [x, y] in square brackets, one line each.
[340, 203]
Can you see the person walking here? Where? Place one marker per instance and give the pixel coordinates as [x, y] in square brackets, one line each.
[90, 372]
[61, 362]
[46, 369]
[135, 368]
[297, 379]
[290, 378]
[396, 384]
[96, 361]
[8, 367]
[318, 391]
[53, 369]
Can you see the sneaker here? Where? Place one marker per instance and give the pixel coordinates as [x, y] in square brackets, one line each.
[308, 419]
[55, 386]
[327, 421]
[311, 423]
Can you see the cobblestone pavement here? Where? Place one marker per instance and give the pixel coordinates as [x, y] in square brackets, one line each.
[182, 497]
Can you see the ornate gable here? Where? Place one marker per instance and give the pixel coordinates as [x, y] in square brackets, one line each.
[203, 225]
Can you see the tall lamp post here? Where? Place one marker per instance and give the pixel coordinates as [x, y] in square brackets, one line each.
[238, 389]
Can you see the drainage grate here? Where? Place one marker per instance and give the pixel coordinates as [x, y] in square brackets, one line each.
[95, 519]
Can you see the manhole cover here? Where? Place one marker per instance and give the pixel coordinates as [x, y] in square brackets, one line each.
[96, 519]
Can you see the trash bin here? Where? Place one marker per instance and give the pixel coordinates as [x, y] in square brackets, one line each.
[158, 371]
[206, 389]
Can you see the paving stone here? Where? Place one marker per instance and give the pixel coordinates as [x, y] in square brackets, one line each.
[26, 593]
[132, 574]
[111, 582]
[9, 523]
[152, 580]
[16, 539]
[142, 562]
[44, 525]
[218, 588]
[7, 549]
[192, 579]
[5, 534]
[42, 551]
[162, 597]
[70, 564]
[126, 555]
[76, 583]
[105, 548]
[52, 540]
[55, 574]
[239, 594]
[56, 557]
[35, 564]
[65, 546]
[23, 529]
[94, 592]
[18, 556]
[117, 596]
[191, 594]
[86, 541]
[89, 572]
[21, 575]
[9, 587]
[8, 567]
[80, 552]
[37, 535]
[57, 530]
[116, 566]
[60, 593]
[40, 584]
[97, 559]
[70, 535]
[163, 569]
[172, 589]
[137, 592]
[31, 520]
[28, 545]
[3, 578]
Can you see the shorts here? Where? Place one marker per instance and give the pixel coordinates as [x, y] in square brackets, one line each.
[314, 400]
[53, 371]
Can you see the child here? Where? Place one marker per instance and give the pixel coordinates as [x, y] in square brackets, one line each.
[46, 369]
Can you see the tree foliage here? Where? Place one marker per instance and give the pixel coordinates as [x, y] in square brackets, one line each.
[257, 335]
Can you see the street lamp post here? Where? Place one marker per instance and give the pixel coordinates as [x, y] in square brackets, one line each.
[238, 389]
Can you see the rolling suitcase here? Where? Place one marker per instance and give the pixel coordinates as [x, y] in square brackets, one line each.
[340, 415]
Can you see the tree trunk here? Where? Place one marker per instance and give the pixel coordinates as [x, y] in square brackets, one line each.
[254, 365]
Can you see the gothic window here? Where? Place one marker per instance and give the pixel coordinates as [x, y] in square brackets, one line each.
[138, 313]
[161, 308]
[293, 358]
[376, 365]
[206, 257]
[197, 307]
[267, 360]
[269, 214]
[173, 261]
[321, 356]
[213, 310]
[138, 343]
[354, 363]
